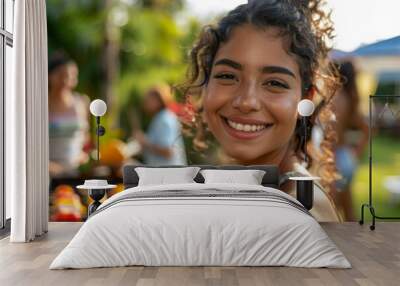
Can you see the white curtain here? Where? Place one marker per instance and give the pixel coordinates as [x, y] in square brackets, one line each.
[27, 124]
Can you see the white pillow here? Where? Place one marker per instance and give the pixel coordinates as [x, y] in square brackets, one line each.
[248, 177]
[163, 176]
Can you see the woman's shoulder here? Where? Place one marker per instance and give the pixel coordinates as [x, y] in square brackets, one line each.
[82, 102]
[81, 98]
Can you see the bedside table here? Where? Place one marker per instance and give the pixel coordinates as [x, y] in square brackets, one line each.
[305, 190]
[96, 190]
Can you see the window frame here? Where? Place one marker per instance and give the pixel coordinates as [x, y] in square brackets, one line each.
[6, 39]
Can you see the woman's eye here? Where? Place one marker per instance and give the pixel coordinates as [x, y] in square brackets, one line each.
[225, 76]
[276, 83]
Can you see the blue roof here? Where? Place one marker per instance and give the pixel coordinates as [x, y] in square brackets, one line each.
[389, 47]
[337, 55]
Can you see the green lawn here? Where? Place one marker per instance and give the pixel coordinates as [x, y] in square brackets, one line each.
[386, 162]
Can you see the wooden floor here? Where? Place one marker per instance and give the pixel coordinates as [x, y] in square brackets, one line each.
[374, 255]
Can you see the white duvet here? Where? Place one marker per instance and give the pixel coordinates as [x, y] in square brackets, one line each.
[188, 231]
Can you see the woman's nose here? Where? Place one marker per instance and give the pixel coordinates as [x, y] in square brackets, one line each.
[247, 99]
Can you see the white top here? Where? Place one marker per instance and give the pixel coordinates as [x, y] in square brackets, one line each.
[67, 136]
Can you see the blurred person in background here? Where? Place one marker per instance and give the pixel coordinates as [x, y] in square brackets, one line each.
[352, 135]
[68, 118]
[162, 144]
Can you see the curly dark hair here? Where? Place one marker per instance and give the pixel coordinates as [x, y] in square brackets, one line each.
[307, 27]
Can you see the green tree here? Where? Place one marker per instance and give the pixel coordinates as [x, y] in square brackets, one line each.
[121, 47]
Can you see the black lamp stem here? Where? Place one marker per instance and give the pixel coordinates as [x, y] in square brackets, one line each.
[98, 138]
[304, 119]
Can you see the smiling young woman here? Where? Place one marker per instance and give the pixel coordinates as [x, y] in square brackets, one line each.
[251, 98]
[251, 70]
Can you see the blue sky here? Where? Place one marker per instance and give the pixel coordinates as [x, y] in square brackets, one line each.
[357, 22]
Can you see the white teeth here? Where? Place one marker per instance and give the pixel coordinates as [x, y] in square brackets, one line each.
[245, 127]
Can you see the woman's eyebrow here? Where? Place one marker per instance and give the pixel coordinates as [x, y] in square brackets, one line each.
[277, 69]
[228, 62]
[266, 69]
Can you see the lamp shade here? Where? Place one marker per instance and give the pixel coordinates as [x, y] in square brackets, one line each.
[305, 107]
[98, 107]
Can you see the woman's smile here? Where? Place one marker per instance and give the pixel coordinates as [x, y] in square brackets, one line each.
[244, 128]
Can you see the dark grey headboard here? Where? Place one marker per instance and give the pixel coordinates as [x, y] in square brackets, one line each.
[270, 179]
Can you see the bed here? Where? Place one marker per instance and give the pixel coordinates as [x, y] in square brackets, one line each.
[201, 224]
